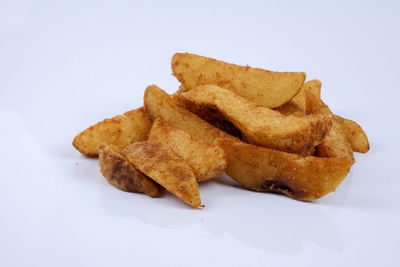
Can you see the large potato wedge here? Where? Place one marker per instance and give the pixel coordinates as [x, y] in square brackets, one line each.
[313, 86]
[166, 168]
[259, 124]
[336, 144]
[206, 160]
[121, 174]
[301, 178]
[159, 104]
[358, 138]
[267, 88]
[120, 131]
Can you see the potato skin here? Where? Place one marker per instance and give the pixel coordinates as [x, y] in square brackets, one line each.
[159, 104]
[121, 174]
[120, 131]
[206, 160]
[267, 88]
[259, 124]
[267, 170]
[166, 168]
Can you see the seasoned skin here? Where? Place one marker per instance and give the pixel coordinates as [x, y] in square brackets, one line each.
[313, 86]
[206, 160]
[120, 131]
[336, 144]
[121, 174]
[159, 104]
[267, 170]
[268, 88]
[259, 124]
[357, 137]
[166, 168]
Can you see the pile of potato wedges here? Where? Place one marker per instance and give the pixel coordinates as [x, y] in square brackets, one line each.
[269, 131]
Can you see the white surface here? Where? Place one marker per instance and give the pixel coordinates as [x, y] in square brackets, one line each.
[66, 66]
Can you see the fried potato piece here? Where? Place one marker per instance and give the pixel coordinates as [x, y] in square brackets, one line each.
[313, 86]
[259, 124]
[357, 137]
[166, 168]
[267, 88]
[159, 104]
[301, 178]
[291, 108]
[206, 160]
[336, 144]
[120, 131]
[118, 172]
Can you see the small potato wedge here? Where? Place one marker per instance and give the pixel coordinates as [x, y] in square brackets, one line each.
[268, 88]
[259, 124]
[267, 170]
[166, 168]
[121, 174]
[120, 131]
[336, 144]
[291, 108]
[160, 104]
[313, 86]
[358, 138]
[206, 160]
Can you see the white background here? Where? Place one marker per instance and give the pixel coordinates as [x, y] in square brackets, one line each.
[65, 66]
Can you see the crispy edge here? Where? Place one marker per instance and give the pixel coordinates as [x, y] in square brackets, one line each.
[166, 168]
[267, 170]
[357, 136]
[121, 174]
[268, 88]
[313, 86]
[206, 160]
[121, 130]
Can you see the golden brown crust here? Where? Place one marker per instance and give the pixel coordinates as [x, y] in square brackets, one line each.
[120, 131]
[313, 86]
[118, 172]
[291, 108]
[336, 144]
[166, 168]
[206, 160]
[159, 104]
[259, 124]
[267, 88]
[265, 170]
[357, 137]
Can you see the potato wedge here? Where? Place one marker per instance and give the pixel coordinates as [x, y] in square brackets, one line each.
[336, 144]
[120, 131]
[267, 88]
[166, 168]
[358, 138]
[313, 86]
[159, 104]
[259, 124]
[121, 174]
[291, 108]
[206, 160]
[301, 178]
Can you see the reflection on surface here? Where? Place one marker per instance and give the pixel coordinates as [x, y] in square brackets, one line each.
[268, 222]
